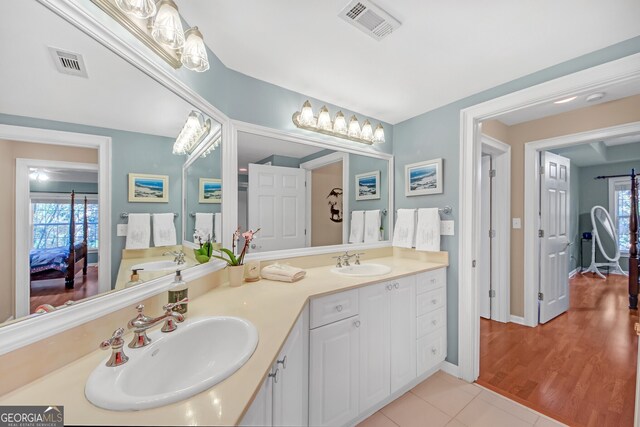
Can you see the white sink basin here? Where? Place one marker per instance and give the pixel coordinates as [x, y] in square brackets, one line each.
[157, 266]
[176, 365]
[363, 270]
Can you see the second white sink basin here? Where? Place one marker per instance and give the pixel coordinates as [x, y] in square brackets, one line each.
[157, 266]
[363, 270]
[176, 365]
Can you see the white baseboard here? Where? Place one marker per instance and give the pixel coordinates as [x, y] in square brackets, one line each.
[9, 318]
[574, 272]
[450, 368]
[517, 319]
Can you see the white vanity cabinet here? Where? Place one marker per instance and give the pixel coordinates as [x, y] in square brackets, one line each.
[431, 323]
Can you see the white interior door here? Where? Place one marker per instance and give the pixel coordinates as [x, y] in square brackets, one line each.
[276, 198]
[484, 275]
[554, 241]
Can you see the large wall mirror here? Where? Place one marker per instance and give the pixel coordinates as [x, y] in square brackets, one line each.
[303, 195]
[128, 210]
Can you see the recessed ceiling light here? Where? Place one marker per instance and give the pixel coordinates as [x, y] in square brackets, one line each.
[243, 170]
[595, 96]
[563, 101]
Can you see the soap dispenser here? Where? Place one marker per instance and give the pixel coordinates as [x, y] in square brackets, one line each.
[135, 278]
[179, 292]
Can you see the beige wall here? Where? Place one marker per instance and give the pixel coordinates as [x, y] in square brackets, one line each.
[10, 151]
[598, 116]
[323, 230]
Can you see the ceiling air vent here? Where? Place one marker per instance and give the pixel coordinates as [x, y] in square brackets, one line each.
[369, 18]
[68, 62]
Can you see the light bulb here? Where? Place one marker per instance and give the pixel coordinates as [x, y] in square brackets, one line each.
[192, 131]
[324, 119]
[306, 114]
[367, 131]
[340, 124]
[378, 135]
[194, 54]
[141, 9]
[354, 128]
[167, 27]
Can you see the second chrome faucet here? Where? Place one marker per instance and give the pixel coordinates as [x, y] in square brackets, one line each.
[141, 323]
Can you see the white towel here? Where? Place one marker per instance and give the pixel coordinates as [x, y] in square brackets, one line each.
[372, 226]
[164, 230]
[138, 231]
[218, 227]
[357, 227]
[282, 273]
[204, 225]
[404, 232]
[428, 230]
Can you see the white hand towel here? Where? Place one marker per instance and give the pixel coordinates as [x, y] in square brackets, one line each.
[218, 227]
[372, 226]
[356, 234]
[282, 273]
[404, 232]
[164, 230]
[138, 231]
[428, 230]
[204, 225]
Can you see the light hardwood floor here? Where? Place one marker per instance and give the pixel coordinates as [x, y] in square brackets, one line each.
[53, 291]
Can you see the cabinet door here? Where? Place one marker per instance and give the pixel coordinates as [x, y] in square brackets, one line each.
[374, 344]
[403, 332]
[260, 411]
[291, 388]
[333, 373]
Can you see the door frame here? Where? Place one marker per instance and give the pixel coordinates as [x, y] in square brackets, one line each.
[318, 163]
[501, 218]
[590, 80]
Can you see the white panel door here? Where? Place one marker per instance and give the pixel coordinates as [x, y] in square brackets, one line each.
[260, 411]
[374, 343]
[554, 244]
[484, 273]
[333, 373]
[403, 332]
[277, 198]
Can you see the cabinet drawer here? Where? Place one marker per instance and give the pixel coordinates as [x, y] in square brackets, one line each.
[334, 307]
[432, 349]
[432, 300]
[431, 321]
[431, 280]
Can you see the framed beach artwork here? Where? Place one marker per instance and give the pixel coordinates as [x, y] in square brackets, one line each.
[423, 178]
[368, 186]
[148, 188]
[210, 190]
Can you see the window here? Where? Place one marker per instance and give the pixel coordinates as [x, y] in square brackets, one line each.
[620, 210]
[51, 217]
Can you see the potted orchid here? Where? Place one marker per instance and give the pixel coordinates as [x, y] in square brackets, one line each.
[235, 263]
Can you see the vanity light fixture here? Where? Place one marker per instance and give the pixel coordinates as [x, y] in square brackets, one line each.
[194, 129]
[304, 119]
[211, 148]
[159, 27]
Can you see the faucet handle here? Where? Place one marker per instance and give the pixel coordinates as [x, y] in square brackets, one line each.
[171, 317]
[169, 307]
[140, 307]
[115, 343]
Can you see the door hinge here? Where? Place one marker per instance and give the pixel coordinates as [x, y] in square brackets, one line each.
[541, 170]
[492, 293]
[540, 296]
[305, 231]
[492, 173]
[492, 234]
[540, 233]
[473, 263]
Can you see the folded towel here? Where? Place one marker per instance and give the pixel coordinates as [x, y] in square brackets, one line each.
[164, 230]
[138, 231]
[217, 224]
[428, 230]
[372, 226]
[404, 231]
[204, 225]
[282, 273]
[357, 227]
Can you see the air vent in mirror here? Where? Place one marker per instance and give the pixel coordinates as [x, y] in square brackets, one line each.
[68, 62]
[369, 18]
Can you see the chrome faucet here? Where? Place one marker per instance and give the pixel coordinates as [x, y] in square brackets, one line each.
[346, 257]
[115, 343]
[179, 256]
[141, 323]
[343, 260]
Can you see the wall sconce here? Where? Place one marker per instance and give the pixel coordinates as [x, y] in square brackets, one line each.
[304, 119]
[159, 27]
[193, 131]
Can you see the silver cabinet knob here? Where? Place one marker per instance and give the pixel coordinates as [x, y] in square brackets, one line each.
[339, 308]
[396, 285]
[434, 350]
[389, 286]
[283, 362]
[275, 376]
[434, 301]
[433, 280]
[253, 246]
[434, 322]
[356, 323]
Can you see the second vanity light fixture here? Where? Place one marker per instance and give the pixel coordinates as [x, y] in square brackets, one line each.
[159, 26]
[194, 130]
[305, 119]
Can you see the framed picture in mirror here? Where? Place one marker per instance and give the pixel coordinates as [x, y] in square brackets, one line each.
[210, 190]
[368, 185]
[148, 188]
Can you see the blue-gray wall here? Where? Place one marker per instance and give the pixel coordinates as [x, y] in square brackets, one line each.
[63, 187]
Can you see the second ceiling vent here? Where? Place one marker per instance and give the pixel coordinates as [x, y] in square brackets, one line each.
[369, 18]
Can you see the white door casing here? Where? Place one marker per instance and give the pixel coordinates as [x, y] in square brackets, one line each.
[554, 239]
[484, 265]
[277, 200]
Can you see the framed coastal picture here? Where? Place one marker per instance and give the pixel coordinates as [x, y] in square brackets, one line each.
[148, 188]
[368, 186]
[210, 190]
[423, 178]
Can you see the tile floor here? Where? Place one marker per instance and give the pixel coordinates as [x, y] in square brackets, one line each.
[443, 400]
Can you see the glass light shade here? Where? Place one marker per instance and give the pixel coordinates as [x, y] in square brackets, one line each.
[324, 119]
[378, 135]
[367, 131]
[340, 124]
[306, 114]
[190, 134]
[167, 27]
[194, 54]
[354, 128]
[141, 9]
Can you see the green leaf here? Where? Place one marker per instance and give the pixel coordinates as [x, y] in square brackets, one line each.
[232, 258]
[223, 259]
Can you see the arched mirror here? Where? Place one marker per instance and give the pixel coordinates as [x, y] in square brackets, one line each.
[606, 240]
